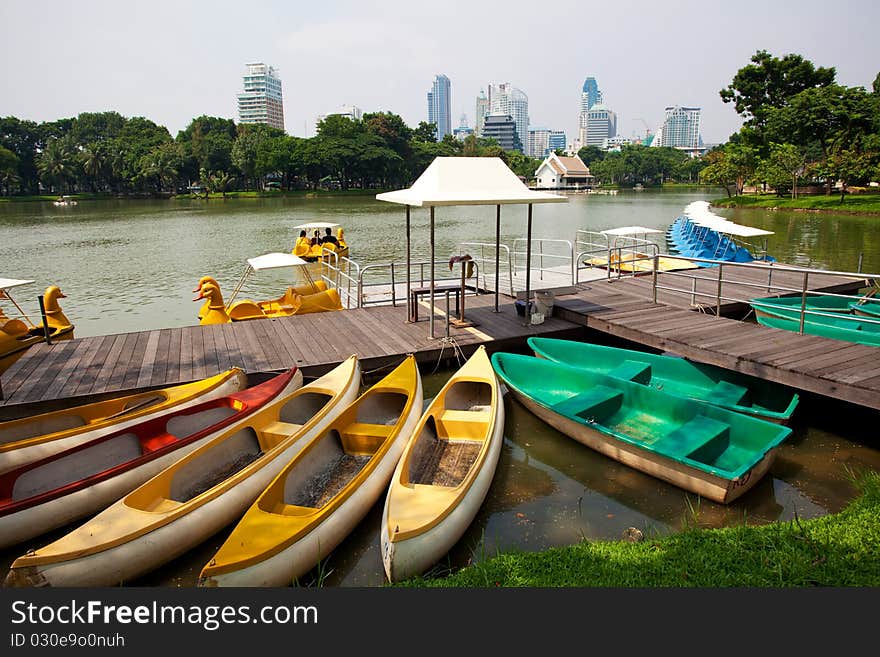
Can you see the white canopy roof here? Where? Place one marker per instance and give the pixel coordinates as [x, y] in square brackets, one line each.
[9, 283]
[275, 261]
[698, 212]
[468, 181]
[321, 225]
[630, 230]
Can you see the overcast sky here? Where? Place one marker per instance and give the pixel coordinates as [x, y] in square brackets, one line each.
[171, 61]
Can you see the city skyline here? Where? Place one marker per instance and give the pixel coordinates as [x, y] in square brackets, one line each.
[345, 53]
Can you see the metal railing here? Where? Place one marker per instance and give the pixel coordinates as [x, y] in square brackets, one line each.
[538, 243]
[767, 289]
[392, 274]
[337, 272]
[622, 251]
[487, 263]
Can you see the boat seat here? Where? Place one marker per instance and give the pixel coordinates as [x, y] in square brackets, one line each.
[276, 432]
[364, 437]
[701, 439]
[728, 393]
[633, 370]
[453, 424]
[596, 403]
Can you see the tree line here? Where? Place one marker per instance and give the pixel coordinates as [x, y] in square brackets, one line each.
[800, 126]
[106, 152]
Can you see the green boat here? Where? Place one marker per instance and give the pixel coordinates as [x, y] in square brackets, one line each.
[824, 315]
[676, 376]
[704, 449]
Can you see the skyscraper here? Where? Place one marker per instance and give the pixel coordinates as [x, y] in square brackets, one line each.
[539, 142]
[681, 128]
[439, 104]
[590, 95]
[481, 112]
[261, 100]
[601, 123]
[505, 99]
[503, 129]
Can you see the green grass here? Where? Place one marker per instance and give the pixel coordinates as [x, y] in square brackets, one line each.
[855, 203]
[837, 550]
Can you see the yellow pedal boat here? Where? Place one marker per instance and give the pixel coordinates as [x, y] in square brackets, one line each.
[312, 244]
[35, 437]
[17, 335]
[194, 498]
[324, 491]
[445, 471]
[310, 297]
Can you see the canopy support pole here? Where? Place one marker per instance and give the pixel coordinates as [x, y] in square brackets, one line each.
[409, 310]
[431, 311]
[528, 264]
[497, 253]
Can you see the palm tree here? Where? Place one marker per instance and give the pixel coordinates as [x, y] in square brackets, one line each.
[56, 164]
[94, 161]
[219, 181]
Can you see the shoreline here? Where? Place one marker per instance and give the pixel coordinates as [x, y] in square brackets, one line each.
[832, 205]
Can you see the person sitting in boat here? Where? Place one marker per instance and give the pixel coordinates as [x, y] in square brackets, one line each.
[316, 238]
[328, 237]
[303, 244]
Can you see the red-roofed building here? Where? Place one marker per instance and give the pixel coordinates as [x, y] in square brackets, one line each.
[557, 172]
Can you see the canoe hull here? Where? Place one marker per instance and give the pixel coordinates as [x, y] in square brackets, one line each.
[187, 524]
[413, 556]
[46, 445]
[717, 489]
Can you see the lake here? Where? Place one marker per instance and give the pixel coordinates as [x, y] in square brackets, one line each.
[132, 265]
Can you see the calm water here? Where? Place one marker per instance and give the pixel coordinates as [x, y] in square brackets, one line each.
[132, 265]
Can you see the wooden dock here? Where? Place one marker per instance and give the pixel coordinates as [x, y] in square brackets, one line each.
[87, 369]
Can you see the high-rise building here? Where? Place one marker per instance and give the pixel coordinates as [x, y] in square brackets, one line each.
[557, 140]
[504, 99]
[352, 112]
[261, 100]
[539, 142]
[601, 124]
[590, 95]
[463, 130]
[681, 128]
[439, 104]
[502, 128]
[481, 112]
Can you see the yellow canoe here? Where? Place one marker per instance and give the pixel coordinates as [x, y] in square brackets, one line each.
[195, 497]
[325, 491]
[636, 262]
[445, 471]
[28, 439]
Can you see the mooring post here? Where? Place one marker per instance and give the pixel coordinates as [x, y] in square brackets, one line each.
[45, 320]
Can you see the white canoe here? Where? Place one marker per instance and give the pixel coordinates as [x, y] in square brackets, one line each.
[194, 498]
[445, 471]
[325, 491]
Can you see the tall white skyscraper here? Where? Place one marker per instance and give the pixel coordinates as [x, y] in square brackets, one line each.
[439, 106]
[590, 95]
[261, 101]
[681, 128]
[482, 109]
[505, 99]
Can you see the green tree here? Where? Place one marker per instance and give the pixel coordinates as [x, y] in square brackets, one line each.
[8, 169]
[770, 83]
[590, 154]
[719, 171]
[93, 158]
[425, 132]
[57, 164]
[24, 140]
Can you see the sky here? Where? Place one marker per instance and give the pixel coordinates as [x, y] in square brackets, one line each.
[171, 61]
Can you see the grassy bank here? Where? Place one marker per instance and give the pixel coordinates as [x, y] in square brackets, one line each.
[836, 550]
[854, 204]
[297, 193]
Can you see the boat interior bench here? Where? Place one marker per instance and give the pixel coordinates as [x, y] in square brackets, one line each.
[364, 437]
[597, 403]
[701, 439]
[439, 290]
[456, 425]
[633, 370]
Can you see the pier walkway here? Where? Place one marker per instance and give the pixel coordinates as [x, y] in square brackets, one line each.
[87, 369]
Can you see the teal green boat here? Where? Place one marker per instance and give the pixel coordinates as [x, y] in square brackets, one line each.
[826, 316]
[676, 376]
[707, 450]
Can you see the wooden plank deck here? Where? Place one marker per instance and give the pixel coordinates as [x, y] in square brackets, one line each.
[86, 369]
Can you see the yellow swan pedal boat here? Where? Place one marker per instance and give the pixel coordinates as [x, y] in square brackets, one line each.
[31, 438]
[324, 491]
[310, 297]
[17, 335]
[445, 471]
[194, 498]
[311, 247]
